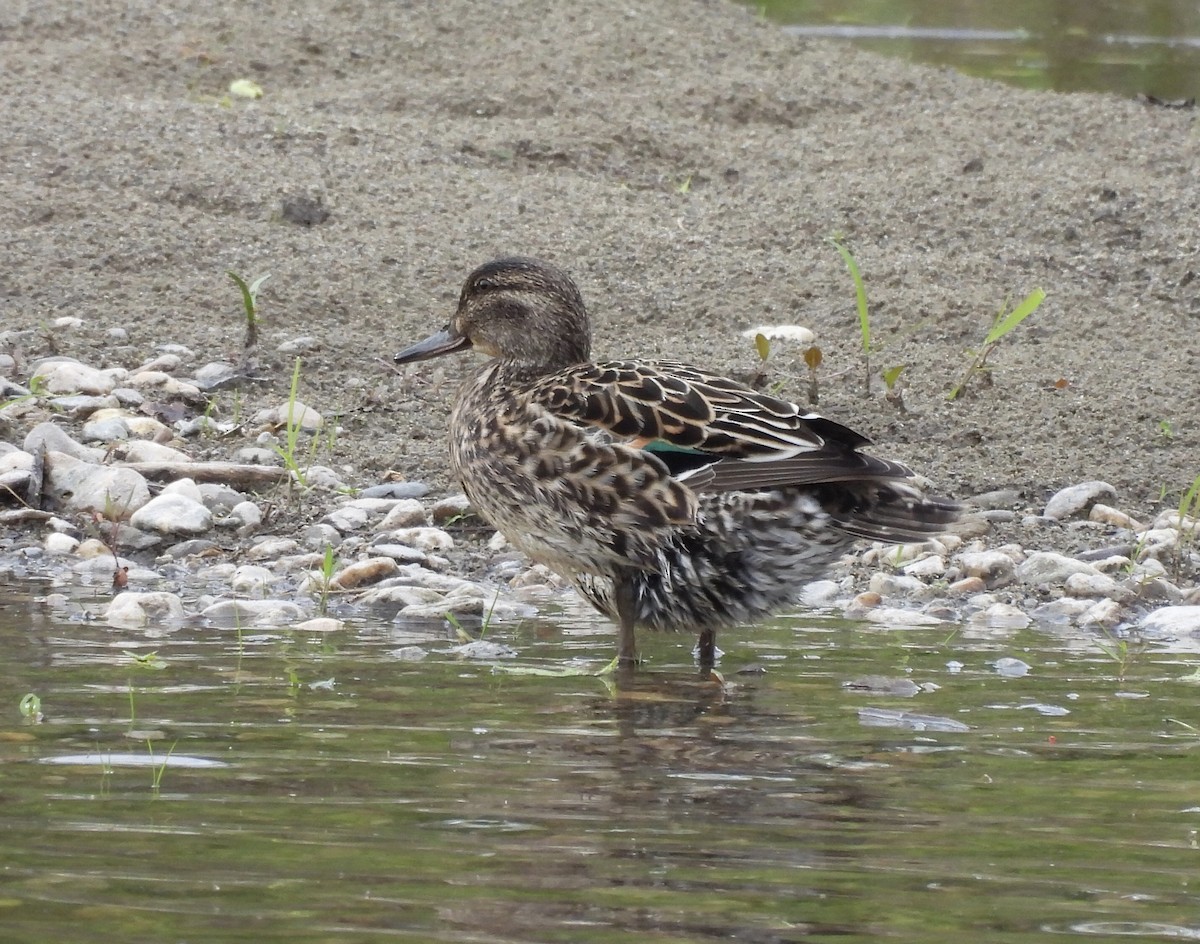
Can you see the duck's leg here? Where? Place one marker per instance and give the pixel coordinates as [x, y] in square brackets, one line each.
[626, 600]
[706, 647]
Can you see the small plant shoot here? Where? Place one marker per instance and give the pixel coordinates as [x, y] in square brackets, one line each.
[250, 304]
[812, 359]
[864, 315]
[1001, 327]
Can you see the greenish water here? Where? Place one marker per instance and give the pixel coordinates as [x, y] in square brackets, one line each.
[1128, 47]
[320, 788]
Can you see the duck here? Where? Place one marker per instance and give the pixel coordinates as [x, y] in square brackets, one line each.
[670, 497]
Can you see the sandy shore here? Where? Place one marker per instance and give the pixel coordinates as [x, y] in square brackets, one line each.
[682, 159]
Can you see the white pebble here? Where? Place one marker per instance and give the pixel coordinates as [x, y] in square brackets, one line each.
[932, 566]
[253, 612]
[361, 573]
[1077, 498]
[995, 568]
[173, 514]
[404, 513]
[132, 609]
[1046, 567]
[1171, 621]
[1106, 514]
[70, 376]
[59, 544]
[424, 539]
[1002, 616]
[251, 578]
[1094, 585]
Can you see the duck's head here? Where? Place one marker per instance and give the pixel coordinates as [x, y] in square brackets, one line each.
[518, 310]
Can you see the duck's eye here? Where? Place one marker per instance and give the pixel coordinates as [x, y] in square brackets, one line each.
[484, 285]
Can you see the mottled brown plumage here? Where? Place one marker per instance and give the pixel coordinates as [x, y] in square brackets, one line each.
[671, 497]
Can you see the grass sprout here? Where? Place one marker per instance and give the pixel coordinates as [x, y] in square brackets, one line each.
[1003, 325]
[860, 301]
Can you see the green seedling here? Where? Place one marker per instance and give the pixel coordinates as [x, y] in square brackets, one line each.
[1166, 430]
[812, 359]
[894, 394]
[158, 770]
[250, 304]
[1122, 653]
[328, 566]
[461, 633]
[1189, 510]
[864, 314]
[287, 452]
[1001, 327]
[684, 185]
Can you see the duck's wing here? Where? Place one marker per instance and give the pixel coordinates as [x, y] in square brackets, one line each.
[712, 432]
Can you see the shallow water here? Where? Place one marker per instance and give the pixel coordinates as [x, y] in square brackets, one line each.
[321, 788]
[1129, 47]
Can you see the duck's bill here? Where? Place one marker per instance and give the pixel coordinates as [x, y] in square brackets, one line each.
[444, 342]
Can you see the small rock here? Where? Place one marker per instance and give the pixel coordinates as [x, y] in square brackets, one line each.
[301, 345]
[59, 544]
[447, 509]
[1075, 499]
[70, 376]
[1002, 616]
[896, 617]
[253, 612]
[164, 385]
[320, 536]
[109, 429]
[400, 553]
[252, 579]
[321, 624]
[361, 573]
[347, 519]
[424, 539]
[173, 514]
[294, 413]
[968, 585]
[51, 438]
[995, 568]
[220, 499]
[1046, 567]
[132, 609]
[80, 486]
[272, 548]
[1102, 613]
[81, 406]
[1106, 514]
[197, 547]
[246, 514]
[1094, 585]
[1171, 622]
[143, 450]
[1010, 667]
[820, 593]
[185, 487]
[894, 585]
[932, 566]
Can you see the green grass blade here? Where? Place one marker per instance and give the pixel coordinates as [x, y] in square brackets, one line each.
[1006, 323]
[247, 294]
[860, 293]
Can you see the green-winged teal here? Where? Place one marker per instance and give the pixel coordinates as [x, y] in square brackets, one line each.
[670, 497]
